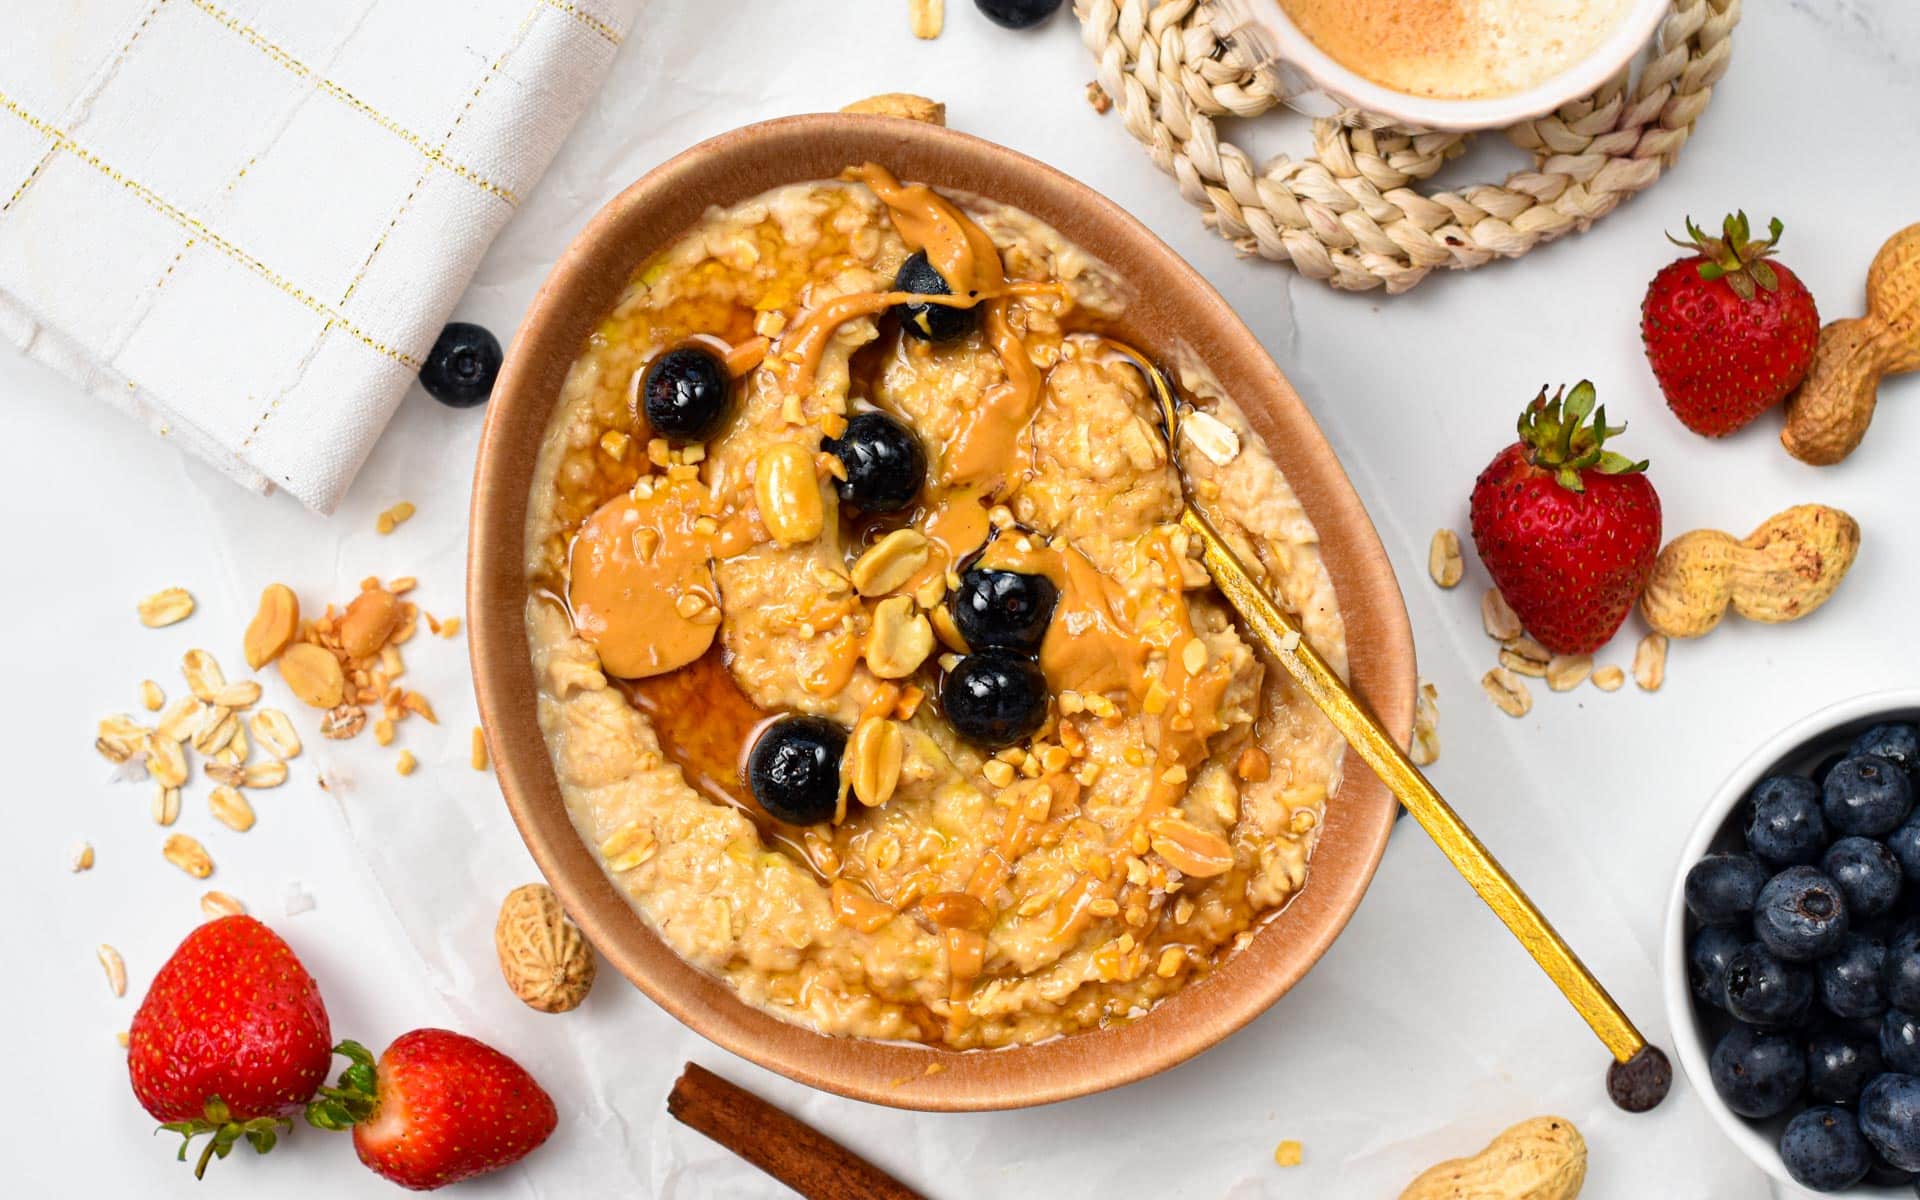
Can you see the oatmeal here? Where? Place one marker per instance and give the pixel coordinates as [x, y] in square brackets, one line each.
[874, 665]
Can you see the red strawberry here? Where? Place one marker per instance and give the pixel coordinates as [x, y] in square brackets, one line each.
[231, 1039]
[439, 1107]
[1567, 529]
[1729, 333]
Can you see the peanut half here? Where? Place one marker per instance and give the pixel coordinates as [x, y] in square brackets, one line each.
[1829, 415]
[901, 104]
[1780, 572]
[1541, 1159]
[273, 626]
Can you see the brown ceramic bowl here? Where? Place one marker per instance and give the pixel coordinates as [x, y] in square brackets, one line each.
[1172, 305]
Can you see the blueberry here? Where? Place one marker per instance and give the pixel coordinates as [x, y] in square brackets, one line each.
[684, 394]
[1883, 1173]
[1904, 842]
[1839, 1065]
[1867, 874]
[1900, 1041]
[1902, 970]
[1890, 1117]
[1017, 14]
[884, 462]
[461, 367]
[1764, 991]
[1800, 915]
[1850, 979]
[994, 697]
[1822, 1149]
[1868, 795]
[1787, 828]
[1898, 744]
[1003, 608]
[794, 769]
[1758, 1074]
[1721, 888]
[1713, 948]
[930, 322]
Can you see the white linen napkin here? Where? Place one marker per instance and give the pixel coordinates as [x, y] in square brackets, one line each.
[245, 221]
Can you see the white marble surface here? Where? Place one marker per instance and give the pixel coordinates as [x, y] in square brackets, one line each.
[1423, 1031]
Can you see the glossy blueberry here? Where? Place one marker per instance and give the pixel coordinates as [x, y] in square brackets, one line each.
[1839, 1066]
[1890, 1117]
[994, 697]
[1017, 14]
[1883, 1173]
[1868, 795]
[1003, 608]
[1713, 948]
[1786, 828]
[1901, 972]
[1905, 844]
[685, 394]
[1850, 980]
[1822, 1148]
[1721, 888]
[1758, 1074]
[1867, 874]
[1898, 744]
[794, 769]
[461, 367]
[1900, 1041]
[1764, 991]
[930, 322]
[884, 462]
[1800, 915]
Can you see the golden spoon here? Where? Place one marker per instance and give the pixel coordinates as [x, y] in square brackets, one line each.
[1640, 1074]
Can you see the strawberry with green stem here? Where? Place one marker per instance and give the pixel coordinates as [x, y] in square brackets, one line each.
[1730, 330]
[1567, 528]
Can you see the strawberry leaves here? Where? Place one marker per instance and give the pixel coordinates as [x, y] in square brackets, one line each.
[262, 1133]
[1559, 438]
[352, 1101]
[1736, 255]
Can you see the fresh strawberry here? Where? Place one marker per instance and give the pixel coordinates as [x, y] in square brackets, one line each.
[231, 1039]
[1567, 528]
[437, 1108]
[1728, 333]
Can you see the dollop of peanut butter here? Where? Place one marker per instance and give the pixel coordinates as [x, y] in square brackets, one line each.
[640, 581]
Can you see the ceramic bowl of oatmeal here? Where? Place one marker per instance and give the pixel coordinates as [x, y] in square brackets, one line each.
[846, 668]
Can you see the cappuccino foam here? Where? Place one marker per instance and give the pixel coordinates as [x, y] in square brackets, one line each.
[1457, 49]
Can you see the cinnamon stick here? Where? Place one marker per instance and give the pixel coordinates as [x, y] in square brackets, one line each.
[791, 1151]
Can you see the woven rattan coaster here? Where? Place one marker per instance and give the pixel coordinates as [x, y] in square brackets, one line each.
[1353, 214]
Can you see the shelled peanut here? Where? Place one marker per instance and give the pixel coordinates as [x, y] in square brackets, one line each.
[1541, 1159]
[1828, 416]
[1782, 571]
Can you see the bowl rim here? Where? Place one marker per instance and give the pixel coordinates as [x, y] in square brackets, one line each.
[1688, 1038]
[575, 297]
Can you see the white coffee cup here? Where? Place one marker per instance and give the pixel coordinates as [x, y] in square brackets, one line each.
[1264, 39]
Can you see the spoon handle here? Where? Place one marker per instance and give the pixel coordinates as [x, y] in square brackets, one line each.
[1638, 1066]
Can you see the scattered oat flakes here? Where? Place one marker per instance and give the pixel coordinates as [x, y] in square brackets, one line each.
[479, 749]
[219, 904]
[167, 607]
[1287, 1153]
[231, 808]
[1097, 96]
[151, 697]
[1426, 725]
[82, 858]
[394, 517]
[406, 763]
[189, 855]
[275, 732]
[1507, 691]
[927, 17]
[1650, 662]
[1568, 671]
[1501, 622]
[115, 967]
[1609, 678]
[166, 804]
[1444, 563]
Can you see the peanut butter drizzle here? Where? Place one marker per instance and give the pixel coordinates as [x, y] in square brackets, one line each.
[631, 568]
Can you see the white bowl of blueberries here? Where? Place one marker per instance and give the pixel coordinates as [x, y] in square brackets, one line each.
[1793, 951]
